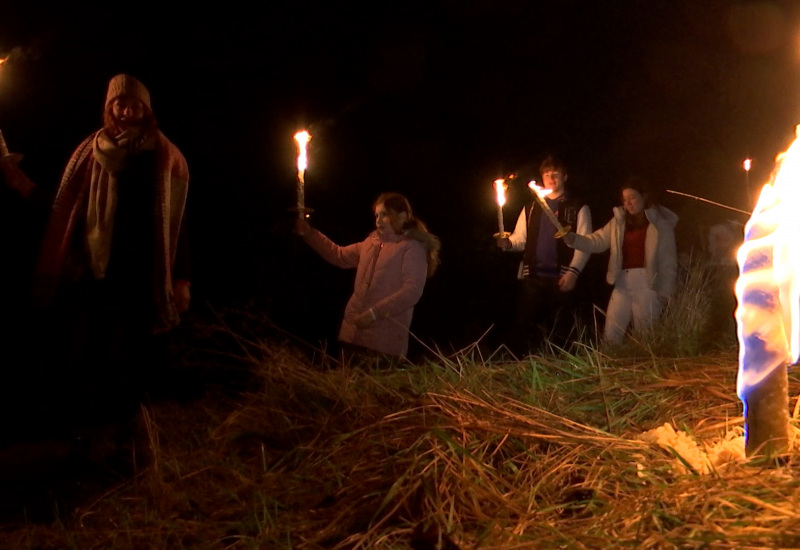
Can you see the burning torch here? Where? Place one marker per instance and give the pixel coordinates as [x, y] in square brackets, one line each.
[302, 138]
[539, 193]
[500, 188]
[747, 164]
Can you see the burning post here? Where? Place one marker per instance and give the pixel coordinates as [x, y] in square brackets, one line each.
[768, 309]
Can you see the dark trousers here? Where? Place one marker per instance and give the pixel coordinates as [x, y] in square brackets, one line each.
[545, 315]
[107, 354]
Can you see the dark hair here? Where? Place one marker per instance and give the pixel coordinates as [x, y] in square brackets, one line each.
[552, 162]
[641, 186]
[396, 204]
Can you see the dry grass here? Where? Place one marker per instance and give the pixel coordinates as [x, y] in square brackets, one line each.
[458, 453]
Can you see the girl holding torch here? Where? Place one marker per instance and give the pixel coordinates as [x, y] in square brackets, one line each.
[643, 264]
[391, 265]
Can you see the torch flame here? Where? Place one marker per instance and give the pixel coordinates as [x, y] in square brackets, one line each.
[746, 164]
[500, 187]
[541, 191]
[302, 139]
[768, 315]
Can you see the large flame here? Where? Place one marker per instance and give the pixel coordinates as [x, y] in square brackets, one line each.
[302, 138]
[500, 187]
[768, 314]
[542, 192]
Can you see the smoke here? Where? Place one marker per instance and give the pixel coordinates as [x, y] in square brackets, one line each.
[18, 54]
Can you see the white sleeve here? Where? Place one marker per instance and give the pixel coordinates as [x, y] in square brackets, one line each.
[520, 234]
[579, 258]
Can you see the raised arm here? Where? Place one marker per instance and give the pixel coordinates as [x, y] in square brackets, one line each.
[345, 257]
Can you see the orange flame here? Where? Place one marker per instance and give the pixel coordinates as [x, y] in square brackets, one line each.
[500, 187]
[768, 314]
[541, 191]
[302, 138]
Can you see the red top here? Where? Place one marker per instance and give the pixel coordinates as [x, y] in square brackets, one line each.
[633, 247]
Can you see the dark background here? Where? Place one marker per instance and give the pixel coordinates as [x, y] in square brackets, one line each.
[432, 99]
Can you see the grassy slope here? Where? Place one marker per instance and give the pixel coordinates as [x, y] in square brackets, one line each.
[537, 453]
[465, 451]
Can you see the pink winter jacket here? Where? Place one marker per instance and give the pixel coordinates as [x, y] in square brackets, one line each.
[390, 277]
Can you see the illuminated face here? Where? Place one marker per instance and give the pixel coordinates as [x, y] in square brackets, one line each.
[633, 201]
[388, 222]
[554, 180]
[127, 111]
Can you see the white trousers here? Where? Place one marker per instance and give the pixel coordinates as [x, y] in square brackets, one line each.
[632, 297]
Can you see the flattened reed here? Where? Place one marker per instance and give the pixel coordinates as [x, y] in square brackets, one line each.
[543, 452]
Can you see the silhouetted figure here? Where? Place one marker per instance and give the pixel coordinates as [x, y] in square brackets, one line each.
[724, 240]
[114, 259]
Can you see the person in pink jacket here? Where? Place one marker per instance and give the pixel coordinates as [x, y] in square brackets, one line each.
[391, 265]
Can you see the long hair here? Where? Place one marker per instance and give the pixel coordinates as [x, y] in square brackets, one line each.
[412, 227]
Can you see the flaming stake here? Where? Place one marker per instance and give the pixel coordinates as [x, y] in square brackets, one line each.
[500, 187]
[768, 314]
[302, 138]
[540, 193]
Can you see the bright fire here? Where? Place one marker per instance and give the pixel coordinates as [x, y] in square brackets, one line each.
[768, 315]
[302, 139]
[500, 187]
[541, 191]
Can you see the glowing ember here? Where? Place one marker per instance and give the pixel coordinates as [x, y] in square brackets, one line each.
[768, 315]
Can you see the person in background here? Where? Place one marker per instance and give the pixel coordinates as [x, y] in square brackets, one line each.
[724, 239]
[392, 265]
[114, 257]
[643, 263]
[549, 269]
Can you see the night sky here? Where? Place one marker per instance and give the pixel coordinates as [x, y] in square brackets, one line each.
[432, 99]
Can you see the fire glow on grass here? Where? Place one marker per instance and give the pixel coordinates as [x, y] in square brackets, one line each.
[768, 312]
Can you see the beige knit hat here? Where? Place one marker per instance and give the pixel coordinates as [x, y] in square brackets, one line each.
[126, 85]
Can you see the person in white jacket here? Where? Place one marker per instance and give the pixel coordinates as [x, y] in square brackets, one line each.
[643, 264]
